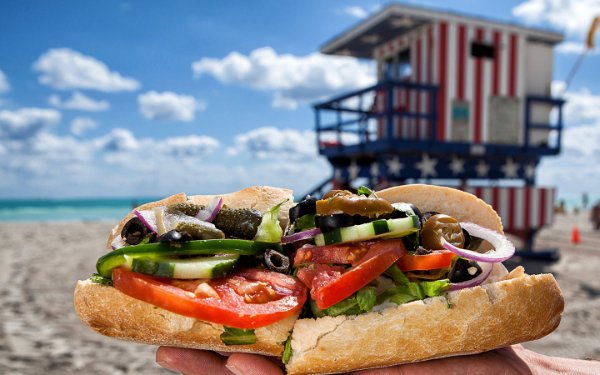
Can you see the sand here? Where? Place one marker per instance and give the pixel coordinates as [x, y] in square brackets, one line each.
[40, 333]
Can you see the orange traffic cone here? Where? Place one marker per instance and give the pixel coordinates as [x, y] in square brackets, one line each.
[575, 236]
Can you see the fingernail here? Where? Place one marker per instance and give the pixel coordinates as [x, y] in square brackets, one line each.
[166, 363]
[234, 370]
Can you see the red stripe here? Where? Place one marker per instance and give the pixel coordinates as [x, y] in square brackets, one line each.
[380, 98]
[419, 92]
[511, 208]
[429, 76]
[512, 72]
[478, 192]
[497, 64]
[527, 203]
[478, 110]
[460, 68]
[442, 80]
[496, 199]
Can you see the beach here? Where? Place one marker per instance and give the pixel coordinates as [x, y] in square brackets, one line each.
[40, 333]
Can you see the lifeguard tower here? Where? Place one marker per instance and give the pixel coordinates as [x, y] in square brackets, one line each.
[460, 100]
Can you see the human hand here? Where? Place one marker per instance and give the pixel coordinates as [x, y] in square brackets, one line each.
[511, 360]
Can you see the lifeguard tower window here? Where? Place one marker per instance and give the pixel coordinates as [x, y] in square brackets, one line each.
[399, 67]
[482, 50]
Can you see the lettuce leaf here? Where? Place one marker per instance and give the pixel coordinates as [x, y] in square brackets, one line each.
[269, 229]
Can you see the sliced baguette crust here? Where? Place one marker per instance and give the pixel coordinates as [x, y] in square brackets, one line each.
[462, 206]
[468, 321]
[519, 308]
[260, 198]
[112, 313]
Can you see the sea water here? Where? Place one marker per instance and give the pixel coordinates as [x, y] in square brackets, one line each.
[68, 209]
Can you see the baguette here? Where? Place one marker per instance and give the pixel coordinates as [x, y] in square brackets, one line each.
[112, 313]
[508, 309]
[516, 308]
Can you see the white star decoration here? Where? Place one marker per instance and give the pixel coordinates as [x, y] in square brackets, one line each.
[394, 166]
[530, 171]
[427, 166]
[353, 170]
[510, 168]
[457, 165]
[482, 169]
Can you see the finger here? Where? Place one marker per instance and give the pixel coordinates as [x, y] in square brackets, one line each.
[191, 361]
[250, 364]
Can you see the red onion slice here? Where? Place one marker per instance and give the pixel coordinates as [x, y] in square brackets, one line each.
[210, 212]
[310, 233]
[148, 218]
[503, 248]
[117, 243]
[486, 270]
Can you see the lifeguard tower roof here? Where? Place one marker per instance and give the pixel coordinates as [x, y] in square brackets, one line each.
[398, 19]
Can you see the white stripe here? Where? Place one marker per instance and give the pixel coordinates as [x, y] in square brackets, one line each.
[487, 195]
[486, 88]
[504, 65]
[451, 64]
[519, 213]
[521, 67]
[469, 76]
[535, 208]
[413, 79]
[503, 205]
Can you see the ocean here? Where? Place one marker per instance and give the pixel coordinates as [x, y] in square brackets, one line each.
[68, 209]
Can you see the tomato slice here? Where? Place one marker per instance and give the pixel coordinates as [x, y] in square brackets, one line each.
[435, 260]
[330, 285]
[250, 298]
[331, 254]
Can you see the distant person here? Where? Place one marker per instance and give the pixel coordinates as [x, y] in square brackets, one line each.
[595, 216]
[585, 200]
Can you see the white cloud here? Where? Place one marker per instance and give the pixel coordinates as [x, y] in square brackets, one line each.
[292, 79]
[80, 125]
[356, 11]
[118, 140]
[4, 85]
[64, 68]
[79, 101]
[270, 142]
[169, 106]
[572, 16]
[574, 48]
[582, 107]
[193, 145]
[26, 122]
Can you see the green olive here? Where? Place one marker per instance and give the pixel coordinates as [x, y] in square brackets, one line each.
[438, 226]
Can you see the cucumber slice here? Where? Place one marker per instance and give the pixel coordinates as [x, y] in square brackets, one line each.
[196, 268]
[116, 258]
[392, 228]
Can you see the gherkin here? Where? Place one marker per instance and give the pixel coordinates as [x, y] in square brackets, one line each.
[188, 208]
[200, 232]
[240, 223]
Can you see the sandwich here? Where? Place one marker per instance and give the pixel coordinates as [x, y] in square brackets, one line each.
[354, 281]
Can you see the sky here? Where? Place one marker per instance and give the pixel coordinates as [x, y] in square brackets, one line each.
[137, 98]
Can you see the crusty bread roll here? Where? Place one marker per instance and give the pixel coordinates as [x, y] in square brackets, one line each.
[112, 313]
[514, 309]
